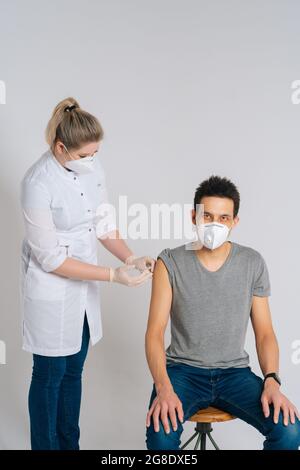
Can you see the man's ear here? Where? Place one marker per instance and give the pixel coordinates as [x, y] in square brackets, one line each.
[193, 216]
[236, 221]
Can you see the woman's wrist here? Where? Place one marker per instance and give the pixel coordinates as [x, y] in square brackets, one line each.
[104, 273]
[111, 274]
[129, 259]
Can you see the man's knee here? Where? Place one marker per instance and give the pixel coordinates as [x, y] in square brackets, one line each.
[161, 440]
[290, 435]
[284, 437]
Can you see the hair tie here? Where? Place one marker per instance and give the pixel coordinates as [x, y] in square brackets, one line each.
[69, 108]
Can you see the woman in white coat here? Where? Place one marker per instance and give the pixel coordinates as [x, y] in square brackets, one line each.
[66, 211]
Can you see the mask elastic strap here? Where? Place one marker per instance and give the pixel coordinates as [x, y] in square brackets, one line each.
[72, 159]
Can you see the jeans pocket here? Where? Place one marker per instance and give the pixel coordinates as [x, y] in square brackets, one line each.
[172, 364]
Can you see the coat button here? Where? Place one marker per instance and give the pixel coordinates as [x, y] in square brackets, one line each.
[81, 194]
[74, 177]
[90, 229]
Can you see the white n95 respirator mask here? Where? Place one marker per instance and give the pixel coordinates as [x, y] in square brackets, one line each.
[80, 166]
[213, 234]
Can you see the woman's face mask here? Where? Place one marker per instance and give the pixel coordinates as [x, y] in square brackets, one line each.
[81, 166]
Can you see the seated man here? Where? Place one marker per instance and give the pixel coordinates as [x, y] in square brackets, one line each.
[210, 293]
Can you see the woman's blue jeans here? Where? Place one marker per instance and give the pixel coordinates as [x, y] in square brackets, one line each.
[235, 390]
[54, 399]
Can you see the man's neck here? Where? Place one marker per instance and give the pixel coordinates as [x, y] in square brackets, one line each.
[213, 259]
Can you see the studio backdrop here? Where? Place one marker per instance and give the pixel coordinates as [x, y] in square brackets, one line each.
[183, 90]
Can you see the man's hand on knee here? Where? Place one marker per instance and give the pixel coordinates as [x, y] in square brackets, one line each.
[166, 404]
[272, 395]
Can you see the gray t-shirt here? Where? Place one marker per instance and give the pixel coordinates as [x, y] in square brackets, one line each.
[210, 310]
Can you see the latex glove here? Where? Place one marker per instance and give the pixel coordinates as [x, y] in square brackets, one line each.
[141, 263]
[122, 276]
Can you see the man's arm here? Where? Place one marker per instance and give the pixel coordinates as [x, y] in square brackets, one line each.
[166, 401]
[268, 357]
[266, 342]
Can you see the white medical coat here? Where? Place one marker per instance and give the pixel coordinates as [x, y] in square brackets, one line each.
[61, 211]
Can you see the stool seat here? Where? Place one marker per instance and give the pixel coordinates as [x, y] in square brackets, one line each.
[203, 419]
[211, 415]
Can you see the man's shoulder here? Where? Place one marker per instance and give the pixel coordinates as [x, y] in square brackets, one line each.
[247, 252]
[175, 252]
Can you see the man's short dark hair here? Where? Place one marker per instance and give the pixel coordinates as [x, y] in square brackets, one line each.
[219, 187]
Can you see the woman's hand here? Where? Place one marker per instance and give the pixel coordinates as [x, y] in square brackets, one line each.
[122, 276]
[141, 263]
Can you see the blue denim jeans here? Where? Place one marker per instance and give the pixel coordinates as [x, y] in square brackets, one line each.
[235, 390]
[54, 399]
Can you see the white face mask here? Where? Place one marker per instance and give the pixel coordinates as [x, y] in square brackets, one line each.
[213, 234]
[81, 166]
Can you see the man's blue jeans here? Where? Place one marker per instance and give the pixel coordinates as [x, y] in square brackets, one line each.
[54, 399]
[235, 390]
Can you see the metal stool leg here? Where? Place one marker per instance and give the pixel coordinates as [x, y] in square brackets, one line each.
[213, 441]
[198, 441]
[190, 440]
[202, 430]
[203, 441]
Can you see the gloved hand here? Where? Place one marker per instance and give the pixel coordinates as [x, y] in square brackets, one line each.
[122, 276]
[141, 263]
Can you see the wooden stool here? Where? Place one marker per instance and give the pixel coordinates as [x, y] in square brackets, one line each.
[203, 428]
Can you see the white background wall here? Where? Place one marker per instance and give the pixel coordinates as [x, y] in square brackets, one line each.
[183, 89]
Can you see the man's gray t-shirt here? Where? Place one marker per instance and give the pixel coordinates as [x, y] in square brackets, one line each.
[210, 309]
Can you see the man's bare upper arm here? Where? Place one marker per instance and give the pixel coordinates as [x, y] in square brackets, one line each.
[261, 317]
[161, 300]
